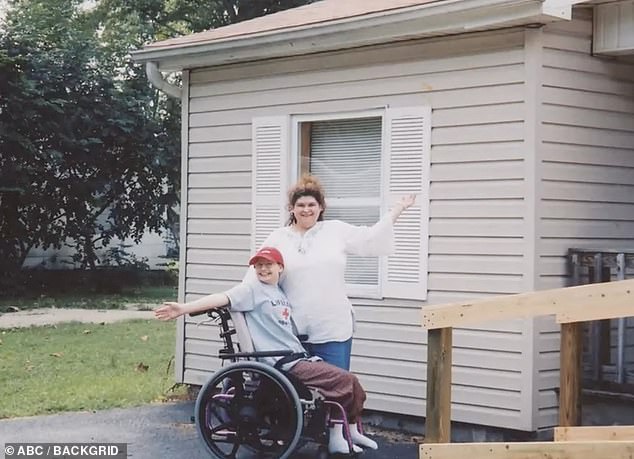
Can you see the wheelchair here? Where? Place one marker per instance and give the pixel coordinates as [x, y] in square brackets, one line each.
[250, 409]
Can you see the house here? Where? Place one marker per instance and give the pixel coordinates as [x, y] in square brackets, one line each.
[513, 120]
[153, 249]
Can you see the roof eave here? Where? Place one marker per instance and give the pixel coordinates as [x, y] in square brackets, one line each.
[432, 19]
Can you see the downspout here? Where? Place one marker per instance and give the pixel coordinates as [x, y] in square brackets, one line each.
[156, 78]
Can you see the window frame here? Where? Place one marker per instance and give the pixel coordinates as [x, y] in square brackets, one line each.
[406, 159]
[295, 163]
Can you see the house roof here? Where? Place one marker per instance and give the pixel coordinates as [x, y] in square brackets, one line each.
[329, 25]
[307, 15]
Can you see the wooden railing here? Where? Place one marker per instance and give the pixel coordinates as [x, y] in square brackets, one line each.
[571, 307]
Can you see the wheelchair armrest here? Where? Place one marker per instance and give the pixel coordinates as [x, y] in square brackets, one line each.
[222, 311]
[199, 313]
[209, 312]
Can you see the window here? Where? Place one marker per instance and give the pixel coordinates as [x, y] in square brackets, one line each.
[346, 156]
[365, 161]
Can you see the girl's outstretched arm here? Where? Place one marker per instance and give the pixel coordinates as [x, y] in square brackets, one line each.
[171, 310]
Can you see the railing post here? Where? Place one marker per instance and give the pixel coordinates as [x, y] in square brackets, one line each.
[570, 374]
[438, 419]
[620, 337]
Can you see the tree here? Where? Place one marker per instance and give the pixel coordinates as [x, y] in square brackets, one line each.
[89, 150]
[79, 157]
[128, 25]
[161, 19]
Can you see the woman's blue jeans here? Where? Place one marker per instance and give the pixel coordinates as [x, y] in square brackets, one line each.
[336, 353]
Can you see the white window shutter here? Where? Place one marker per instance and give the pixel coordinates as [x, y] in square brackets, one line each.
[408, 145]
[270, 143]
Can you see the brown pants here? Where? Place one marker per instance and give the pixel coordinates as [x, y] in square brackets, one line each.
[335, 384]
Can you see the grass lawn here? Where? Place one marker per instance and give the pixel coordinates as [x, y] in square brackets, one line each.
[89, 300]
[85, 366]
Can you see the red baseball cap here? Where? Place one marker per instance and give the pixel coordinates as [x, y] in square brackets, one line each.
[268, 253]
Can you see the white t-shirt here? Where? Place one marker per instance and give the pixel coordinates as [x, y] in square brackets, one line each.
[313, 278]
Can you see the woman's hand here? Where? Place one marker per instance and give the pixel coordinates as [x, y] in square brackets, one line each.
[169, 310]
[402, 204]
[406, 201]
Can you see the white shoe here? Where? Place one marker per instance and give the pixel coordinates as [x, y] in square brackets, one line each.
[359, 439]
[337, 444]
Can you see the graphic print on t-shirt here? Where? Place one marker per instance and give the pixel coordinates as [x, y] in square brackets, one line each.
[281, 311]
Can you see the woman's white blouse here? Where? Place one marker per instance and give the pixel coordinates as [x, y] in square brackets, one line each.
[313, 278]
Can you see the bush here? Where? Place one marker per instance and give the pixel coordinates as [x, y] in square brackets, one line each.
[33, 283]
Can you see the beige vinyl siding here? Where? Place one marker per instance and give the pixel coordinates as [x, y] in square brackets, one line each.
[474, 84]
[587, 184]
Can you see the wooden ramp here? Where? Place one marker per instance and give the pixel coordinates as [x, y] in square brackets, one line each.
[530, 450]
[572, 306]
[595, 433]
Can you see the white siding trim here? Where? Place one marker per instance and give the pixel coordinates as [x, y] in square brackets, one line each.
[404, 53]
[305, 118]
[179, 353]
[532, 160]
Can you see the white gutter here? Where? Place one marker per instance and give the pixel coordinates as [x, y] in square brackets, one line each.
[158, 81]
[431, 19]
[560, 7]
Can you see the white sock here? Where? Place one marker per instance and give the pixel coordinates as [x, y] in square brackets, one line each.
[359, 439]
[337, 444]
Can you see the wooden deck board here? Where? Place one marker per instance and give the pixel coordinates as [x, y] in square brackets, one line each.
[595, 433]
[530, 450]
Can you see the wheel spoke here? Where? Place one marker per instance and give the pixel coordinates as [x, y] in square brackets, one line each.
[224, 425]
[222, 417]
[237, 382]
[226, 440]
[211, 416]
[234, 450]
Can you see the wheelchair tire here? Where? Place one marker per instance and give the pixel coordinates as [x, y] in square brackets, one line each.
[249, 406]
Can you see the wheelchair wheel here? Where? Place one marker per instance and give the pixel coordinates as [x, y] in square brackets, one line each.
[247, 408]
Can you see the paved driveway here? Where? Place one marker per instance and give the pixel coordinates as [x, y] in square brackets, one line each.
[155, 432]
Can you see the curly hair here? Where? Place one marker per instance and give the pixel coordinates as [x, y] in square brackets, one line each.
[307, 185]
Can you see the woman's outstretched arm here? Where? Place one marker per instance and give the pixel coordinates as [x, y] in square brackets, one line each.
[377, 239]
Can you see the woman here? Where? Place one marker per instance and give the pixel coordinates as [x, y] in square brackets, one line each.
[315, 252]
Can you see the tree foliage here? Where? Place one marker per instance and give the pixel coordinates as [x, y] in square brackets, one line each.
[80, 160]
[89, 150]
